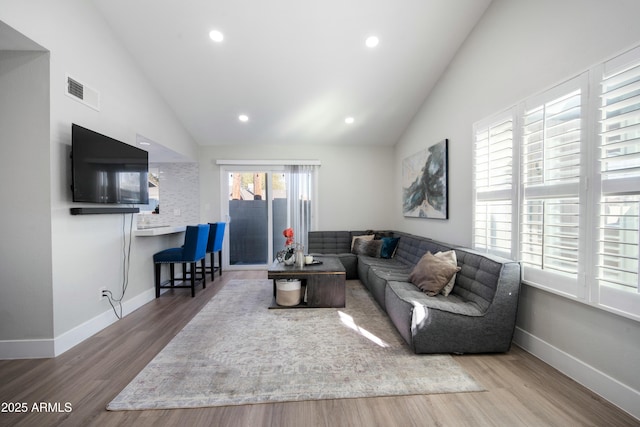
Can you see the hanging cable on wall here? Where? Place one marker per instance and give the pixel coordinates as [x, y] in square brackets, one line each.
[116, 303]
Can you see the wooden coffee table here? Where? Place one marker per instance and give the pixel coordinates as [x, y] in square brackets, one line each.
[325, 282]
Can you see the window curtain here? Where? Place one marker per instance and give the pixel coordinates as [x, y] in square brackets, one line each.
[299, 195]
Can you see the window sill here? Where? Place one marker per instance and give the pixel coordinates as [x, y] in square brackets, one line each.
[596, 305]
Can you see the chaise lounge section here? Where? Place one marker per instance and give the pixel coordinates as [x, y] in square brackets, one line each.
[478, 315]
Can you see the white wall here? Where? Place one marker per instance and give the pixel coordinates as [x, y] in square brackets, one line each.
[520, 48]
[25, 248]
[354, 183]
[85, 251]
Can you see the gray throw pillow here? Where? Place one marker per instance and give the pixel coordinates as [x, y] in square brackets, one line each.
[367, 247]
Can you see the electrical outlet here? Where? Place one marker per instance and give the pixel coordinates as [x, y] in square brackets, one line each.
[104, 288]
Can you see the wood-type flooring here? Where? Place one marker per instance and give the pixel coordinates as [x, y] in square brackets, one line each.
[521, 389]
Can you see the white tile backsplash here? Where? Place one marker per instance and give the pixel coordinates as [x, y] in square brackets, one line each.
[179, 195]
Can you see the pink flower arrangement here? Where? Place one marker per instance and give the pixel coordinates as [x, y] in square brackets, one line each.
[288, 233]
[289, 244]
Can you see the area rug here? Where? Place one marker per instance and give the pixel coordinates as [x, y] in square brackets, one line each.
[236, 351]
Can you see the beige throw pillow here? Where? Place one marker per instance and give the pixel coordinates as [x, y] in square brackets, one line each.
[453, 260]
[432, 274]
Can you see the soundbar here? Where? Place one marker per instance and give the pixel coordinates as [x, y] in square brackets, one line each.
[103, 210]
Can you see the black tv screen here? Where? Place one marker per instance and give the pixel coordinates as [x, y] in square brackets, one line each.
[105, 170]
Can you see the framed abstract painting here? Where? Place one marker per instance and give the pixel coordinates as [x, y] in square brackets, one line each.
[425, 183]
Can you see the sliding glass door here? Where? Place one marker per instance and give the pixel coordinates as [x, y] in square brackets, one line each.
[259, 203]
[249, 213]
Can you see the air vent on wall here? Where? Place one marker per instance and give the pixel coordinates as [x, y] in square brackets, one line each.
[82, 93]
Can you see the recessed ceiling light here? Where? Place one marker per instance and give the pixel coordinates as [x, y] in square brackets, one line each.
[216, 36]
[243, 118]
[144, 143]
[372, 41]
[348, 120]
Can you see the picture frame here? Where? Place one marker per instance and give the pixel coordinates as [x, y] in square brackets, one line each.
[425, 183]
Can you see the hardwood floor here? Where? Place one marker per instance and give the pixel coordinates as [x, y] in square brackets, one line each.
[521, 390]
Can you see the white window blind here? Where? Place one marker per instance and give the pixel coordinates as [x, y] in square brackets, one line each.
[619, 209]
[551, 165]
[493, 186]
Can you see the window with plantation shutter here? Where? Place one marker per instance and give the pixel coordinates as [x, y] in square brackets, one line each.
[493, 186]
[619, 167]
[551, 166]
[556, 186]
[552, 138]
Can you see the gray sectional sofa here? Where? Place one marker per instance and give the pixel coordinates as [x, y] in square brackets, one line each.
[479, 314]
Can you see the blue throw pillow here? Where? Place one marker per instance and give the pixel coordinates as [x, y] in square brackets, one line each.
[389, 245]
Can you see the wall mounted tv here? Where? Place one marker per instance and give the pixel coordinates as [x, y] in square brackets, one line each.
[107, 171]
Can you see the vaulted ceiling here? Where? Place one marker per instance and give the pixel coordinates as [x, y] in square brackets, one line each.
[296, 68]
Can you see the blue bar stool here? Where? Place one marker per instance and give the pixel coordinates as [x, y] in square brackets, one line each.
[216, 235]
[193, 251]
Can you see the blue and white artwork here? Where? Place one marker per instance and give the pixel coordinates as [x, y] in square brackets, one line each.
[424, 183]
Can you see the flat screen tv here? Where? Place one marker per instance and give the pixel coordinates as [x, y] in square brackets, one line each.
[107, 171]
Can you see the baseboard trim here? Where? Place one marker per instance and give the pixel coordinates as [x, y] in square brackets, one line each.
[621, 395]
[27, 349]
[47, 348]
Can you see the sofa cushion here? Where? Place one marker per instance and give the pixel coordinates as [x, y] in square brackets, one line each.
[329, 242]
[376, 272]
[479, 277]
[407, 292]
[411, 248]
[385, 266]
[432, 274]
[350, 263]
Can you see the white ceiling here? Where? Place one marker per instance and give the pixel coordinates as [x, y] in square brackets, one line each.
[297, 68]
